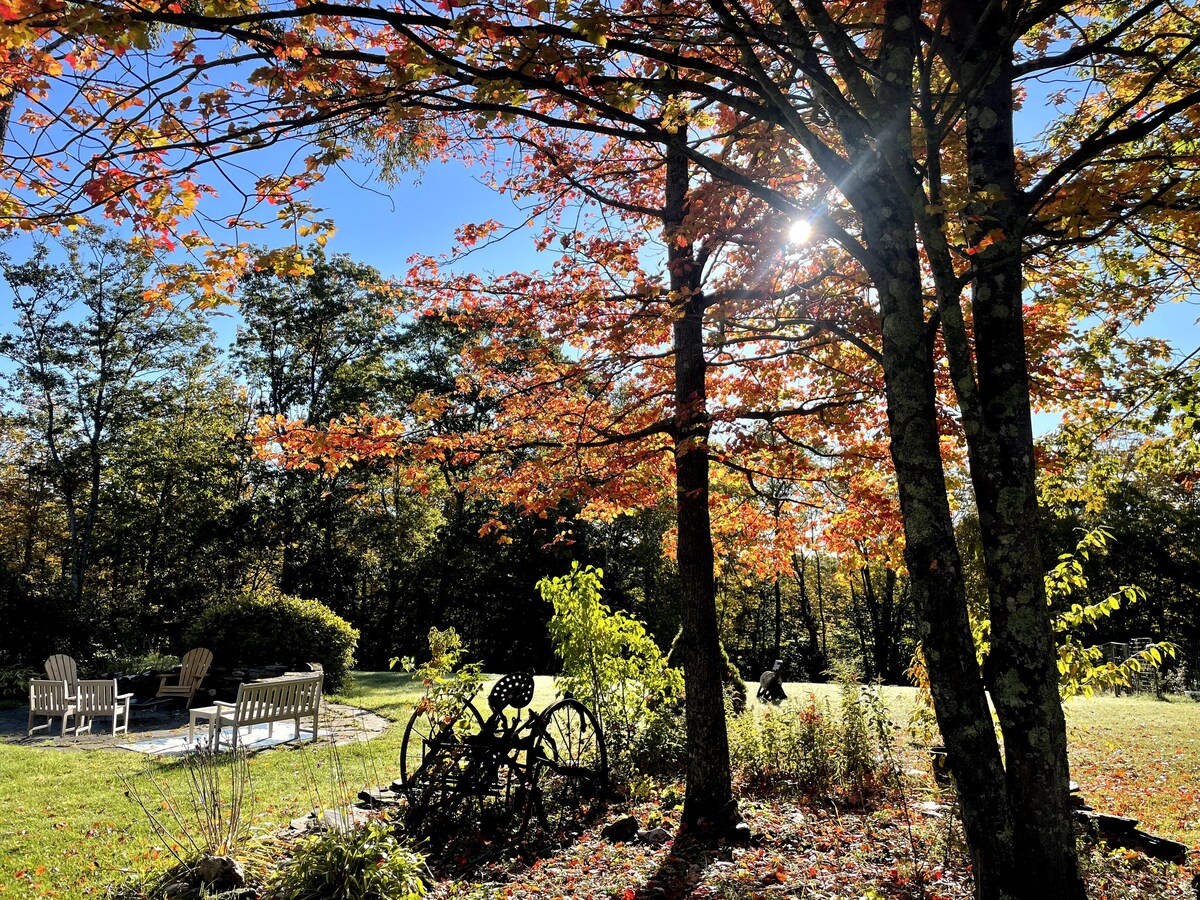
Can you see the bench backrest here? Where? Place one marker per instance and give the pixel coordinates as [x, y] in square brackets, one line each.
[48, 698]
[97, 697]
[276, 698]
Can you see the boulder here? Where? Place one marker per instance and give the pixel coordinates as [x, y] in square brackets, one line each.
[621, 830]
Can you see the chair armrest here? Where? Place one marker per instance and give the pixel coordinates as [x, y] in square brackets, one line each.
[220, 703]
[124, 696]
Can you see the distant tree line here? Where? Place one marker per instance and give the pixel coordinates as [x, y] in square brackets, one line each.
[132, 496]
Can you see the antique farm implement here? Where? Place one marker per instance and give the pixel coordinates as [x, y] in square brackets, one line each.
[505, 771]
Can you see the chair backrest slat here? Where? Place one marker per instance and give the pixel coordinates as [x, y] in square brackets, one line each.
[61, 667]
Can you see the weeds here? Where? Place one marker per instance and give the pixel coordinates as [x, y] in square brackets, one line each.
[210, 817]
[365, 862]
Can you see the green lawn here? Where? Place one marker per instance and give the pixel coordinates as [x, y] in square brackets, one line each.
[66, 828]
[1141, 758]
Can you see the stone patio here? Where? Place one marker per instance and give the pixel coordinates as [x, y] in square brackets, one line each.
[345, 724]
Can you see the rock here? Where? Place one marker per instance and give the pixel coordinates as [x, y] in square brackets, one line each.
[344, 819]
[222, 872]
[741, 834]
[379, 797]
[177, 890]
[654, 836]
[1121, 831]
[621, 830]
[305, 823]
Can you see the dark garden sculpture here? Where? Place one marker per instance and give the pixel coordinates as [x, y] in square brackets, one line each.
[502, 773]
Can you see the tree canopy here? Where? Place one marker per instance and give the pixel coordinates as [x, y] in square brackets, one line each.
[888, 127]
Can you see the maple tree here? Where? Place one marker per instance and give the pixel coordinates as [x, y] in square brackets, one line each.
[887, 125]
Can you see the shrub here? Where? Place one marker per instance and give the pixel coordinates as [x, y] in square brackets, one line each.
[660, 748]
[361, 863]
[14, 681]
[609, 660]
[788, 748]
[448, 682]
[209, 816]
[267, 626]
[807, 749]
[865, 750]
[132, 663]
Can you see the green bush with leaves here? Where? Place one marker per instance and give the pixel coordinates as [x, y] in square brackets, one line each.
[609, 661]
[267, 626]
[660, 747]
[116, 661]
[866, 750]
[806, 748]
[447, 681]
[1082, 668]
[367, 862]
[14, 681]
[790, 748]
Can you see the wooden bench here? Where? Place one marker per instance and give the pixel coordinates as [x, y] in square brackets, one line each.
[268, 701]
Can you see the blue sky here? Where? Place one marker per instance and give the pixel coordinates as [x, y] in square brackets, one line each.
[384, 226]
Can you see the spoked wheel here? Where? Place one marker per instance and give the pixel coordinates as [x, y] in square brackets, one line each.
[508, 802]
[571, 766]
[432, 731]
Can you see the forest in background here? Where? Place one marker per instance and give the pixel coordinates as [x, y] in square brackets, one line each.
[139, 487]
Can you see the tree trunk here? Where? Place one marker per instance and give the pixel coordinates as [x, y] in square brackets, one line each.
[778, 596]
[708, 805]
[816, 653]
[932, 557]
[1023, 661]
[860, 630]
[893, 630]
[821, 610]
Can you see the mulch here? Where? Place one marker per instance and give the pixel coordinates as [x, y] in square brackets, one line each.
[799, 849]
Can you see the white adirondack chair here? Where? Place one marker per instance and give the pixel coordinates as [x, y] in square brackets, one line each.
[49, 699]
[192, 670]
[61, 667]
[100, 698]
